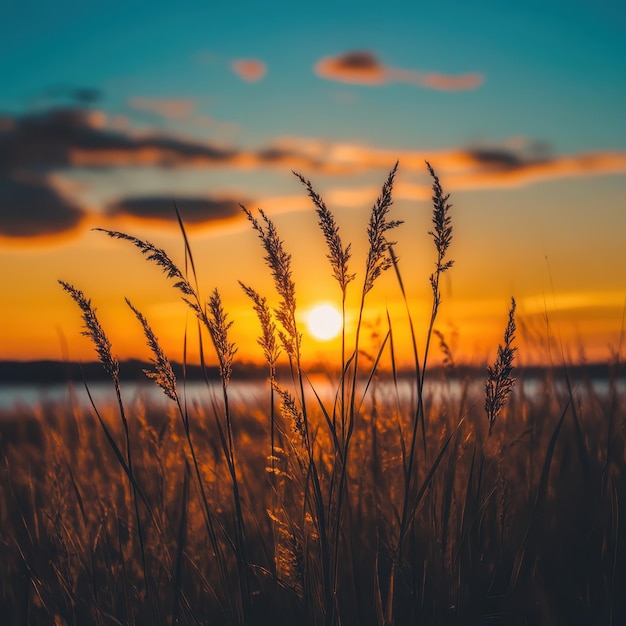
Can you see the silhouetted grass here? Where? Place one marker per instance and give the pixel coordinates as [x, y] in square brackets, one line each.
[491, 502]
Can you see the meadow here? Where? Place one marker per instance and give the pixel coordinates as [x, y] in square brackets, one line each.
[462, 502]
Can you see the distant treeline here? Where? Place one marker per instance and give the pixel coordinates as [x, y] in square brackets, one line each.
[61, 371]
[132, 370]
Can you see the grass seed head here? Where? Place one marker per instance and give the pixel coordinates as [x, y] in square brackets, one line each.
[500, 380]
[337, 254]
[161, 258]
[442, 224]
[292, 413]
[163, 374]
[279, 262]
[219, 327]
[267, 340]
[94, 330]
[378, 260]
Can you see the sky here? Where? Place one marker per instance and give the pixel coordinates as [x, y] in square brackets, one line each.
[110, 112]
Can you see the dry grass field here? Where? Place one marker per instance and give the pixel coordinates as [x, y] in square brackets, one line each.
[490, 501]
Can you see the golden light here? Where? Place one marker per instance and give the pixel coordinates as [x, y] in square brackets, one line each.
[324, 322]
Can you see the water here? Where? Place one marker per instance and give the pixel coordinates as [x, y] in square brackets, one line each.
[30, 395]
[251, 392]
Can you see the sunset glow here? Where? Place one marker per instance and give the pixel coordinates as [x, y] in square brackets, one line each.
[324, 322]
[112, 137]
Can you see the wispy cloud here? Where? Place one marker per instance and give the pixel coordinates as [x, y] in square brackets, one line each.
[363, 68]
[472, 167]
[169, 108]
[250, 70]
[490, 174]
[36, 148]
[66, 138]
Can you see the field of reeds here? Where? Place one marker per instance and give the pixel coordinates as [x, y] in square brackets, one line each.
[494, 501]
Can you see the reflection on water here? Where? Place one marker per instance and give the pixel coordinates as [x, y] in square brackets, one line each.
[255, 393]
[103, 392]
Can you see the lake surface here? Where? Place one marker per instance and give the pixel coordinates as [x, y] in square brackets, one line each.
[253, 392]
[29, 395]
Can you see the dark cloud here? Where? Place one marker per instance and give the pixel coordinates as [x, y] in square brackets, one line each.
[31, 206]
[69, 137]
[499, 158]
[192, 210]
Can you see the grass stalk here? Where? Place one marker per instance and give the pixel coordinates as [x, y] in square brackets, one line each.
[94, 331]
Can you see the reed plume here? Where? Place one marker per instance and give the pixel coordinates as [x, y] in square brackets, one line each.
[219, 327]
[267, 340]
[441, 234]
[162, 260]
[279, 262]
[292, 413]
[448, 357]
[94, 330]
[500, 380]
[378, 260]
[442, 224]
[163, 374]
[337, 254]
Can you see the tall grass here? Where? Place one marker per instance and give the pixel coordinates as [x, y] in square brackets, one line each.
[484, 504]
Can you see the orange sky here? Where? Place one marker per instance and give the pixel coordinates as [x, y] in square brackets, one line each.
[104, 122]
[540, 259]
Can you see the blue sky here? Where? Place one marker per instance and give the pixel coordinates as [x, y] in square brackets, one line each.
[553, 71]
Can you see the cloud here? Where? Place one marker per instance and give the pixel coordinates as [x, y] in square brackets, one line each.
[250, 70]
[69, 137]
[169, 108]
[63, 138]
[193, 210]
[464, 168]
[37, 147]
[33, 206]
[360, 67]
[493, 174]
[363, 68]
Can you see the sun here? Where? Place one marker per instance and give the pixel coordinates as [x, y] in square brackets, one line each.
[324, 322]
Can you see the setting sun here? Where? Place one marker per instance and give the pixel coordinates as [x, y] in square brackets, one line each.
[324, 322]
